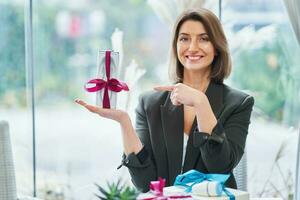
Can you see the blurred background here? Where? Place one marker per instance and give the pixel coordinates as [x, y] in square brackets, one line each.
[75, 149]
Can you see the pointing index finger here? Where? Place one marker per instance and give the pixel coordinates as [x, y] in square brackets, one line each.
[164, 88]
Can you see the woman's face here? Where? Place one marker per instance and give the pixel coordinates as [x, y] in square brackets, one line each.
[194, 49]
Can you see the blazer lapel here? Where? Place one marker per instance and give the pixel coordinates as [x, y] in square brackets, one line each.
[172, 123]
[214, 94]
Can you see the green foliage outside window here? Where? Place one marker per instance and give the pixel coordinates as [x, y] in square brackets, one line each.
[12, 55]
[270, 69]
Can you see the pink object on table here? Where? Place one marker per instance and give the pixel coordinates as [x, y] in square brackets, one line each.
[156, 188]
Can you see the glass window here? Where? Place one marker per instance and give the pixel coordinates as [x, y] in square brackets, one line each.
[76, 149]
[266, 64]
[14, 105]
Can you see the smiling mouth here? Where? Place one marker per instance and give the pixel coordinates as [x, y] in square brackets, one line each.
[194, 57]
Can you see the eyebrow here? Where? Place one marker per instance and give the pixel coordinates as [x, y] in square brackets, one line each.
[201, 34]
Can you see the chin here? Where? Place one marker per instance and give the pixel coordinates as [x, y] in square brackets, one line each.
[196, 67]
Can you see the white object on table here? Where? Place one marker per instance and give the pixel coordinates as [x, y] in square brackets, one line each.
[266, 199]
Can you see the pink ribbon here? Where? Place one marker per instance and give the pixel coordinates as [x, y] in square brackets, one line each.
[111, 84]
[156, 188]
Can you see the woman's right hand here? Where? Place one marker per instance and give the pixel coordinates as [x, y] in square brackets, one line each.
[114, 114]
[131, 141]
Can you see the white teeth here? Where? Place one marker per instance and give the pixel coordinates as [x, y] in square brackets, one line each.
[194, 57]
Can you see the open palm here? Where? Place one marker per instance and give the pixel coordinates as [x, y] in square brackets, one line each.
[114, 114]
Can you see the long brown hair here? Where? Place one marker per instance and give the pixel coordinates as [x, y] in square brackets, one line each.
[221, 65]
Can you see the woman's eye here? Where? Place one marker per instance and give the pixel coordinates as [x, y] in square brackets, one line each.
[204, 39]
[183, 39]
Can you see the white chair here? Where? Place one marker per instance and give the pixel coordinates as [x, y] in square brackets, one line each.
[297, 181]
[240, 173]
[8, 189]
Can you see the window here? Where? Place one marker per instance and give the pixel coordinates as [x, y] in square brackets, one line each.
[265, 64]
[76, 149]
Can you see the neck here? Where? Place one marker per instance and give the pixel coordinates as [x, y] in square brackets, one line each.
[197, 80]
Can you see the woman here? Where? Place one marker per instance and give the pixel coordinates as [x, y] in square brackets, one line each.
[198, 123]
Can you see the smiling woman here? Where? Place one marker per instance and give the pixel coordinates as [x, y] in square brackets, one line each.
[194, 48]
[200, 33]
[197, 123]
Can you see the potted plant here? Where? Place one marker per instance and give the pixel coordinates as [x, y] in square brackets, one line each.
[116, 191]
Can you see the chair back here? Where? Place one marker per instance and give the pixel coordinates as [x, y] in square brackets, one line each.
[7, 172]
[240, 173]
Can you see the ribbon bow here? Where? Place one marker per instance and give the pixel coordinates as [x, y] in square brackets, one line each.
[156, 188]
[193, 177]
[108, 84]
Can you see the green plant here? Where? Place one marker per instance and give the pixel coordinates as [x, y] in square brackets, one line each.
[266, 64]
[116, 191]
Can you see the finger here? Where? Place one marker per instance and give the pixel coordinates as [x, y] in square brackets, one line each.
[80, 102]
[164, 88]
[175, 96]
[90, 107]
[174, 100]
[177, 104]
[93, 109]
[172, 94]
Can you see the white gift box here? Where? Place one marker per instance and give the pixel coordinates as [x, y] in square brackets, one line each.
[101, 73]
[198, 195]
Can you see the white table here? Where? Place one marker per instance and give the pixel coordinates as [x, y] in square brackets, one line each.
[266, 199]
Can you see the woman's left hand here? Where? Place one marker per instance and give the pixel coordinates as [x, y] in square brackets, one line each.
[183, 94]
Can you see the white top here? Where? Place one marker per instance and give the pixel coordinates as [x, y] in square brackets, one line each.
[185, 141]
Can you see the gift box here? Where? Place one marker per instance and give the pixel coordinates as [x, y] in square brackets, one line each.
[180, 190]
[194, 185]
[105, 84]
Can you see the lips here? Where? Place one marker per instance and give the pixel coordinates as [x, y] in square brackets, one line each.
[194, 57]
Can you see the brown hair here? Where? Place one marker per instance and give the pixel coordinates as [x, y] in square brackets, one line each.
[221, 65]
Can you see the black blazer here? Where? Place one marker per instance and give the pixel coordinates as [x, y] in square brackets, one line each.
[159, 125]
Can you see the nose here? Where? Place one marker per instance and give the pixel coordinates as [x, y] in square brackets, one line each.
[194, 46]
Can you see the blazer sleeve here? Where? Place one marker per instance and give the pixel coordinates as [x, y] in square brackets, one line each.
[223, 149]
[141, 171]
